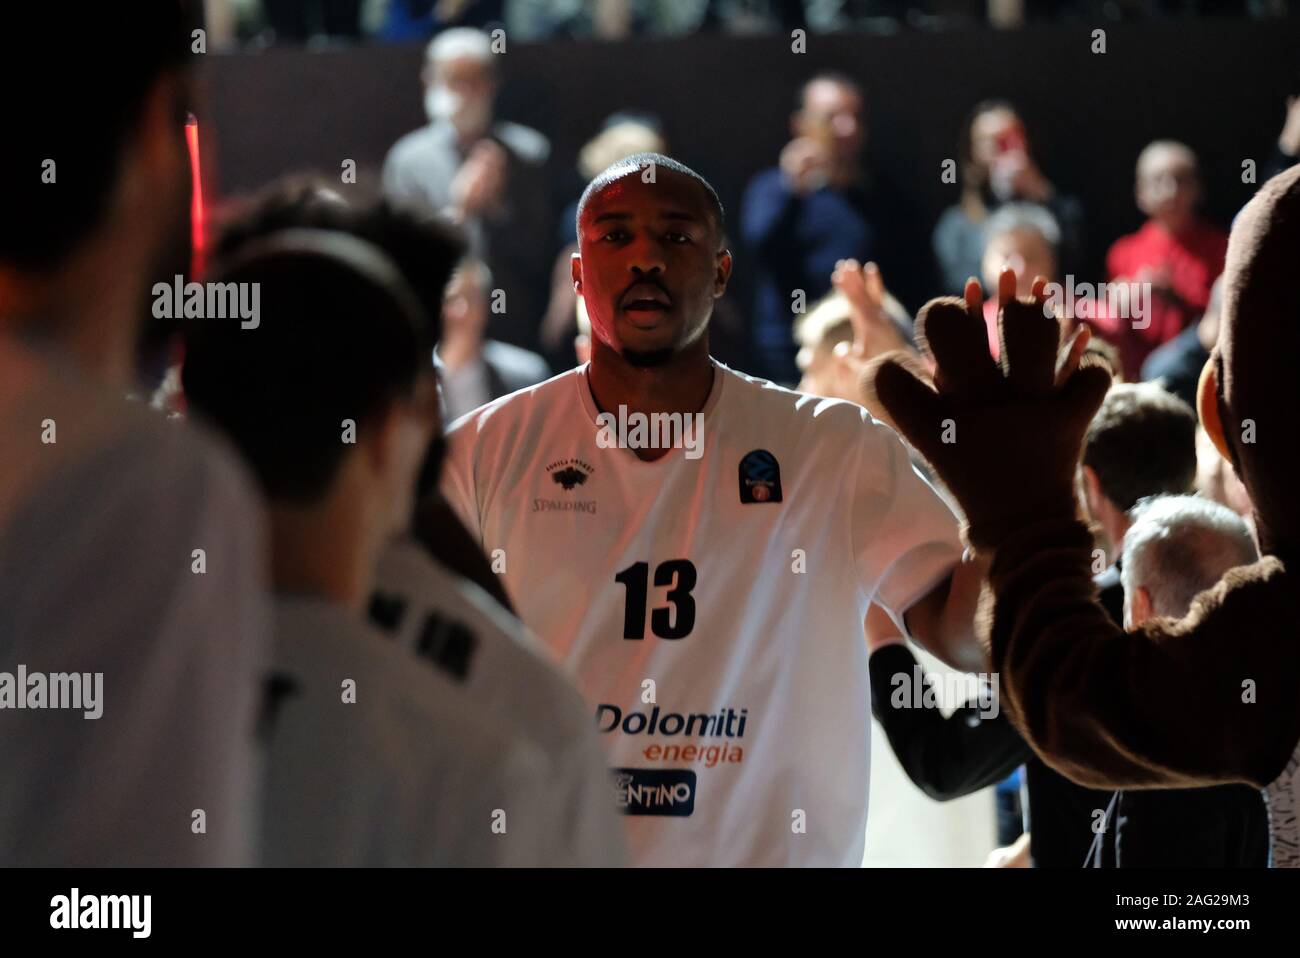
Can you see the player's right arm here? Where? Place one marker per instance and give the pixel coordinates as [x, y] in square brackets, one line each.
[946, 757]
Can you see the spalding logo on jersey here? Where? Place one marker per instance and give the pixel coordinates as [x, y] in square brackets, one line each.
[760, 477]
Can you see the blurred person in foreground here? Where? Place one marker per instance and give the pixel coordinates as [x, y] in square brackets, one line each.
[381, 752]
[131, 548]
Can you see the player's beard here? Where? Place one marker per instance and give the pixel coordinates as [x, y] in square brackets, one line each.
[648, 358]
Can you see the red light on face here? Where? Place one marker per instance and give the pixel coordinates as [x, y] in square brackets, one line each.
[197, 229]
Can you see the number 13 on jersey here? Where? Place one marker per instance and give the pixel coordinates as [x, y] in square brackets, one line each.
[673, 621]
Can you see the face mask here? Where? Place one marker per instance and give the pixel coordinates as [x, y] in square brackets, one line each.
[442, 105]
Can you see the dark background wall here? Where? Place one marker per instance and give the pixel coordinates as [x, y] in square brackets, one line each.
[1219, 85]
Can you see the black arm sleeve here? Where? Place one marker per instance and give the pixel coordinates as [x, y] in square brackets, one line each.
[944, 757]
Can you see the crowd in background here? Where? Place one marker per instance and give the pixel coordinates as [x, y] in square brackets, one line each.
[260, 22]
[817, 205]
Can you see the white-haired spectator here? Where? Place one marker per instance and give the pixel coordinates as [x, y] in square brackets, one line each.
[1024, 237]
[1176, 548]
[484, 173]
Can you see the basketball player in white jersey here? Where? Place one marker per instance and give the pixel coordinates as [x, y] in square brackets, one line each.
[705, 585]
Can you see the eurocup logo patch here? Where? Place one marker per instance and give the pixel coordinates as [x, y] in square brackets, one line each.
[760, 477]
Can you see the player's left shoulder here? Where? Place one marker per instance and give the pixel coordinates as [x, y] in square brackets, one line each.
[814, 418]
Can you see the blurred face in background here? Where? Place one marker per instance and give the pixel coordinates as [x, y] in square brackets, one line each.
[1168, 185]
[995, 133]
[618, 142]
[465, 305]
[1023, 249]
[460, 91]
[833, 114]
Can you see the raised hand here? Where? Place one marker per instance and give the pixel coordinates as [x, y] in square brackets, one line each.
[805, 164]
[864, 288]
[480, 182]
[1004, 436]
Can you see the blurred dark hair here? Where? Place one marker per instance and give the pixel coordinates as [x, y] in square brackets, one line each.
[75, 82]
[425, 249]
[974, 176]
[343, 331]
[1141, 443]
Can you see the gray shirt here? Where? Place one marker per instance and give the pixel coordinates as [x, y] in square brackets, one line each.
[515, 241]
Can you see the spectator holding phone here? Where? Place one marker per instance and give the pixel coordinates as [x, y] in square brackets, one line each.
[997, 168]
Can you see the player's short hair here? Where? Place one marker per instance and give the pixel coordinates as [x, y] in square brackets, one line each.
[1141, 443]
[638, 162]
[341, 335]
[1179, 546]
[81, 127]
